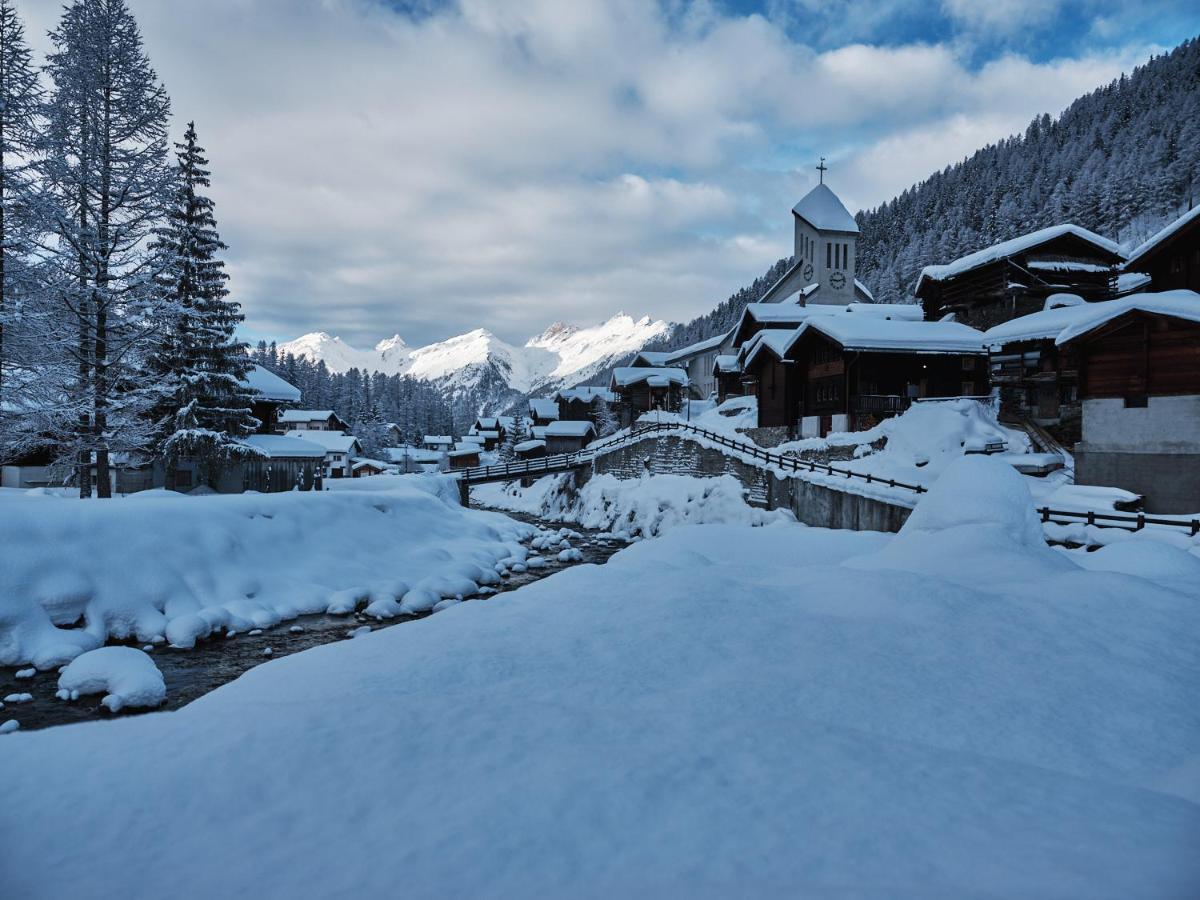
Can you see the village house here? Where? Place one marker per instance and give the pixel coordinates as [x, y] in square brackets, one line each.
[362, 467]
[464, 457]
[340, 450]
[310, 420]
[1139, 377]
[579, 403]
[568, 436]
[531, 449]
[409, 460]
[1014, 278]
[543, 410]
[1171, 258]
[281, 463]
[438, 442]
[393, 434]
[846, 373]
[641, 389]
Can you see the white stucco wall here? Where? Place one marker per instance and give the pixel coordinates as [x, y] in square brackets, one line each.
[1165, 425]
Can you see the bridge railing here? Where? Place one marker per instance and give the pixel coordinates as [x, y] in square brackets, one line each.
[1138, 521]
[520, 468]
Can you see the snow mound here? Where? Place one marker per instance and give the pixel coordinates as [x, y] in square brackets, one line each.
[978, 491]
[1147, 558]
[126, 676]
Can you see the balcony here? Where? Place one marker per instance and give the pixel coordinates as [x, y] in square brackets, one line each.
[883, 404]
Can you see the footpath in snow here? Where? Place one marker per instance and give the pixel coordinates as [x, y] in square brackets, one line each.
[956, 710]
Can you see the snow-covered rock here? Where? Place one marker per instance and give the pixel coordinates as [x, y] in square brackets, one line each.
[127, 677]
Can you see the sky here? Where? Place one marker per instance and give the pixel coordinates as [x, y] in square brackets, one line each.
[425, 168]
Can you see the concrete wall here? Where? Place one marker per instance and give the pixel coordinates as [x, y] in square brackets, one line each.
[1164, 425]
[813, 504]
[1170, 482]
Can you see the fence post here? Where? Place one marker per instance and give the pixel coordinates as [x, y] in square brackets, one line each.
[1045, 511]
[1141, 521]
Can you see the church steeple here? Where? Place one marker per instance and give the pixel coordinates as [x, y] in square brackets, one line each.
[826, 238]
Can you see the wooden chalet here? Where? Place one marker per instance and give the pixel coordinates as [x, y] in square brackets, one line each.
[568, 436]
[727, 374]
[842, 373]
[364, 468]
[1171, 258]
[1139, 377]
[578, 404]
[310, 420]
[535, 448]
[340, 449]
[543, 410]
[464, 457]
[642, 389]
[1014, 278]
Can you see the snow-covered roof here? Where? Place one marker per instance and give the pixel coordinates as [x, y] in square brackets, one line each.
[486, 423]
[1128, 282]
[586, 392]
[543, 408]
[624, 376]
[570, 428]
[652, 357]
[460, 454]
[778, 340]
[1176, 304]
[526, 446]
[362, 463]
[1156, 239]
[489, 435]
[413, 454]
[866, 333]
[684, 353]
[473, 438]
[726, 362]
[538, 431]
[304, 415]
[465, 444]
[822, 209]
[280, 446]
[866, 291]
[1045, 324]
[332, 441]
[271, 386]
[1012, 247]
[442, 440]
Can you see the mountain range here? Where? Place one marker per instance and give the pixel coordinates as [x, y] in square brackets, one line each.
[482, 365]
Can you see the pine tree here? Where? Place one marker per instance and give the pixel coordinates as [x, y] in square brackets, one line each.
[106, 167]
[606, 420]
[204, 410]
[372, 433]
[20, 104]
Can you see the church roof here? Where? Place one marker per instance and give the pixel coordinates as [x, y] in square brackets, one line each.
[822, 209]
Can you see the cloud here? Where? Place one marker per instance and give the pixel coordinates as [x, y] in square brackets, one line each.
[497, 164]
[1006, 15]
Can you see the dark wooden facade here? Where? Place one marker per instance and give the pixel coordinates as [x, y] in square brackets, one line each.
[821, 379]
[636, 399]
[1037, 379]
[1139, 355]
[1173, 262]
[1019, 284]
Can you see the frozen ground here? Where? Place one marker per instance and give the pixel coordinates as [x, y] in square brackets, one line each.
[954, 711]
[159, 567]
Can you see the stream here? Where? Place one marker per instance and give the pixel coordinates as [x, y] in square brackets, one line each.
[190, 674]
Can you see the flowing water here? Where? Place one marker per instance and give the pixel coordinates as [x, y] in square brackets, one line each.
[192, 673]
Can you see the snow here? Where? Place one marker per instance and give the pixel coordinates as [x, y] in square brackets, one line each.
[183, 568]
[570, 428]
[633, 508]
[625, 376]
[279, 446]
[1128, 282]
[289, 416]
[271, 386]
[685, 353]
[778, 340]
[527, 446]
[9, 726]
[1179, 304]
[722, 710]
[331, 441]
[1045, 324]
[868, 333]
[1014, 247]
[562, 355]
[127, 677]
[1153, 242]
[822, 209]
[586, 393]
[726, 363]
[18, 698]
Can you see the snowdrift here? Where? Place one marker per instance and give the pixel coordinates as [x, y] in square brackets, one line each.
[724, 710]
[161, 567]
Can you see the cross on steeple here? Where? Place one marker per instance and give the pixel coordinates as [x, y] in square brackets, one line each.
[822, 168]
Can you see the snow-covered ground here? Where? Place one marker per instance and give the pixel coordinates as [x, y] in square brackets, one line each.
[954, 711]
[157, 566]
[632, 508]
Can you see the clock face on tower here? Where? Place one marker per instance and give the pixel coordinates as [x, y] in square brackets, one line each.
[808, 270]
[837, 281]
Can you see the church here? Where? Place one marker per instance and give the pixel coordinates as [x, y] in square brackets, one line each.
[824, 253]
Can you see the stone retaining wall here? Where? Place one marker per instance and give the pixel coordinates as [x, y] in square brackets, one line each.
[813, 504]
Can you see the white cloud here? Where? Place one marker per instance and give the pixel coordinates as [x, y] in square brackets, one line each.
[503, 165]
[1005, 15]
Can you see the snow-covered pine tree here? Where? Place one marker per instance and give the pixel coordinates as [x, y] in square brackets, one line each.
[204, 410]
[106, 166]
[606, 419]
[371, 432]
[20, 105]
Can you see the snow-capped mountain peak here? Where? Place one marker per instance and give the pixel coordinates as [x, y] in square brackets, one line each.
[561, 356]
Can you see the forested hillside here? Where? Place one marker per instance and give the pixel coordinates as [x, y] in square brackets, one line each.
[1121, 161]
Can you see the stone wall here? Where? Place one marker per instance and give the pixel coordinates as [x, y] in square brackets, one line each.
[813, 504]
